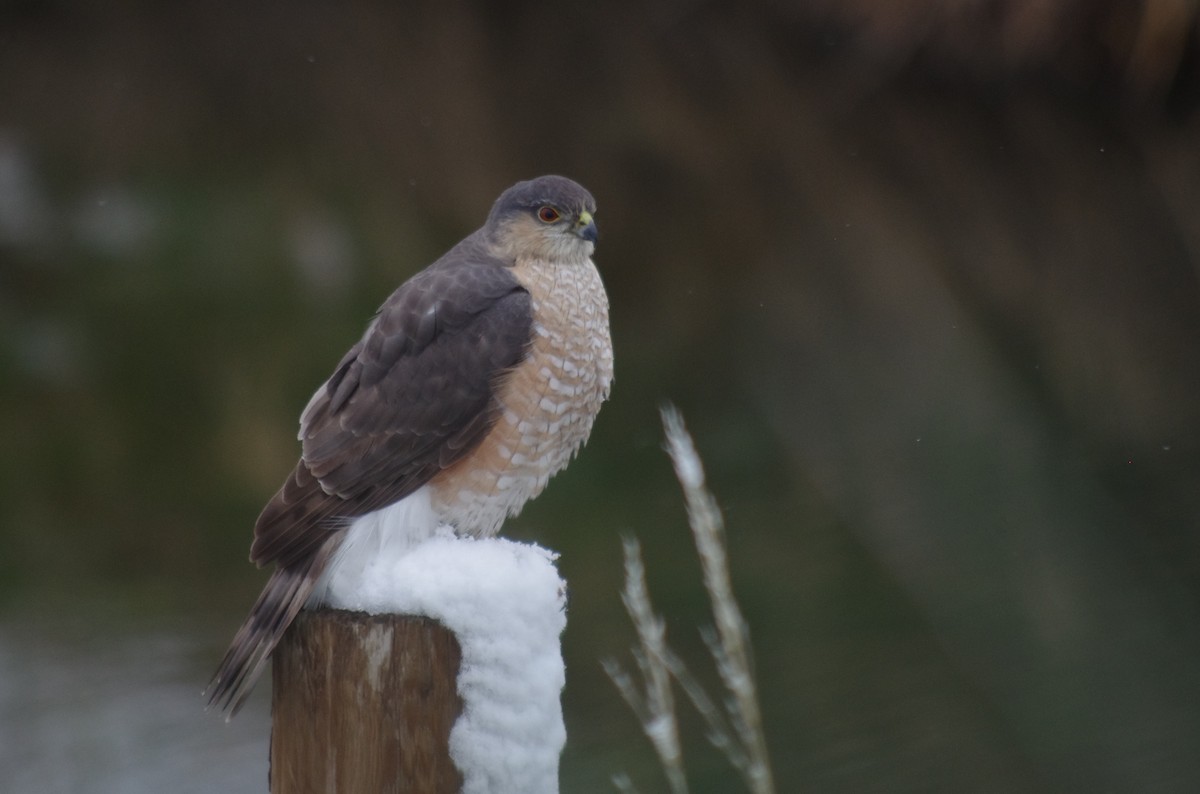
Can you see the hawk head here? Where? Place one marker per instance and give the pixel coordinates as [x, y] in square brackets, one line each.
[548, 218]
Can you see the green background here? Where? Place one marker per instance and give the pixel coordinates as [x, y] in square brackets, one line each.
[922, 277]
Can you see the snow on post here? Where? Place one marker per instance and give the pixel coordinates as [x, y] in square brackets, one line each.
[504, 604]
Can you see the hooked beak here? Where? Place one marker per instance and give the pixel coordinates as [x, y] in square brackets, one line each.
[585, 227]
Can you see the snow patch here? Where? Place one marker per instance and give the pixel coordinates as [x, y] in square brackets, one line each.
[506, 604]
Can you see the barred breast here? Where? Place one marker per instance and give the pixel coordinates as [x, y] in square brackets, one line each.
[548, 402]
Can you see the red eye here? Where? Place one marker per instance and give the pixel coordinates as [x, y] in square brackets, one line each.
[548, 214]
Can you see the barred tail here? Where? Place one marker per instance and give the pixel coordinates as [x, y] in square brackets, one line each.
[277, 606]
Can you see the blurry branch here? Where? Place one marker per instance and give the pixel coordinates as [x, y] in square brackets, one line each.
[735, 726]
[1148, 41]
[624, 784]
[1159, 46]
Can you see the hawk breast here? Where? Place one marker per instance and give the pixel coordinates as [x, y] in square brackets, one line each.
[547, 403]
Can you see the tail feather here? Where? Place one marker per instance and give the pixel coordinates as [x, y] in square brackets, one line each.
[281, 600]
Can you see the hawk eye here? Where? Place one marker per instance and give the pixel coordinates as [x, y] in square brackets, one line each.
[548, 214]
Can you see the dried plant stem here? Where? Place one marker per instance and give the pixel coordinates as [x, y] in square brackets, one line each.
[655, 708]
[731, 644]
[734, 725]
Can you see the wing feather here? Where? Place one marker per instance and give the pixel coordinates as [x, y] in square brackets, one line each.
[410, 399]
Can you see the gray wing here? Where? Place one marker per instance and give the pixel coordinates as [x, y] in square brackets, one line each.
[416, 394]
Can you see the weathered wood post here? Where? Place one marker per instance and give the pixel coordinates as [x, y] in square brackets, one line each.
[369, 701]
[364, 703]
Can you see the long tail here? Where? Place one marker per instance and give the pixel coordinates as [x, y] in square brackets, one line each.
[277, 606]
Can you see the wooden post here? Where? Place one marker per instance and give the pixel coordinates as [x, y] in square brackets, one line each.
[364, 703]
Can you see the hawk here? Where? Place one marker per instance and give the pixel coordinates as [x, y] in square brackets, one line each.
[476, 381]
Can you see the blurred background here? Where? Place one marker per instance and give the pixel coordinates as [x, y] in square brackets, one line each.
[922, 276]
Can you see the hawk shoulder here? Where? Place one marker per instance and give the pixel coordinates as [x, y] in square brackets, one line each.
[411, 398]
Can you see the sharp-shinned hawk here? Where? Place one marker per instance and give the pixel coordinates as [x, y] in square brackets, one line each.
[477, 380]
